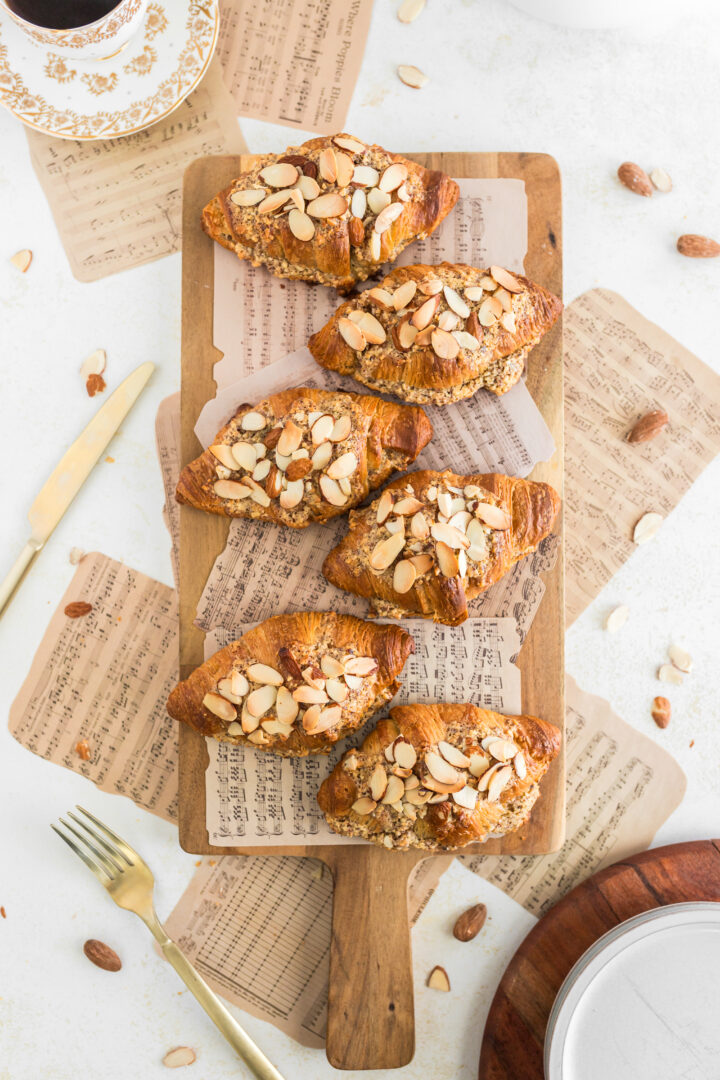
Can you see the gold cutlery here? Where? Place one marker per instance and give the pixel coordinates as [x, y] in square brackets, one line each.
[71, 472]
[129, 880]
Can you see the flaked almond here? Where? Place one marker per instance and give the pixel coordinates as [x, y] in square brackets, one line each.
[331, 491]
[466, 797]
[341, 429]
[473, 326]
[322, 455]
[498, 783]
[381, 297]
[494, 516]
[375, 246]
[327, 164]
[378, 782]
[377, 200]
[505, 278]
[419, 527]
[448, 320]
[179, 1055]
[440, 769]
[507, 321]
[438, 979]
[698, 247]
[648, 426]
[520, 765]
[395, 790]
[449, 535]
[412, 76]
[301, 226]
[358, 206]
[348, 143]
[345, 465]
[425, 314]
[309, 695]
[479, 764]
[444, 344]
[351, 333]
[95, 365]
[286, 707]
[277, 727]
[669, 673]
[290, 438]
[279, 175]
[489, 311]
[253, 421]
[288, 663]
[661, 711]
[431, 286]
[406, 756]
[465, 340]
[409, 10]
[470, 923]
[635, 178]
[372, 330]
[76, 556]
[407, 505]
[273, 202]
[323, 428]
[366, 176]
[345, 166]
[455, 302]
[501, 749]
[263, 673]
[292, 494]
[647, 527]
[223, 452]
[260, 700]
[330, 205]
[453, 755]
[505, 299]
[387, 216]
[384, 507]
[248, 197]
[231, 489]
[680, 659]
[332, 667]
[422, 563]
[21, 260]
[404, 334]
[473, 292]
[244, 455]
[447, 560]
[395, 175]
[617, 618]
[661, 180]
[361, 665]
[404, 294]
[218, 706]
[386, 551]
[363, 806]
[101, 955]
[404, 576]
[308, 188]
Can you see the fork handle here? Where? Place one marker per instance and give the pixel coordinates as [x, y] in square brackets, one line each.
[240, 1041]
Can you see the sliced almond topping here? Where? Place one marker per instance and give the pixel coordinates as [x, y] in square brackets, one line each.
[354, 682]
[456, 302]
[290, 439]
[466, 797]
[373, 331]
[225, 689]
[449, 535]
[465, 340]
[473, 292]
[440, 769]
[231, 489]
[680, 659]
[387, 216]
[219, 707]
[322, 455]
[345, 485]
[419, 526]
[377, 200]
[234, 728]
[279, 175]
[327, 165]
[345, 465]
[253, 421]
[273, 202]
[422, 563]
[447, 320]
[498, 783]
[671, 674]
[520, 765]
[331, 491]
[257, 494]
[487, 283]
[404, 294]
[327, 206]
[348, 143]
[301, 225]
[296, 198]
[479, 764]
[263, 673]
[259, 701]
[406, 756]
[408, 505]
[403, 193]
[224, 454]
[395, 789]
[502, 749]
[245, 455]
[308, 187]
[646, 528]
[336, 690]
[95, 365]
[292, 494]
[309, 695]
[286, 707]
[507, 319]
[444, 345]
[426, 312]
[21, 260]
[404, 334]
[345, 167]
[375, 246]
[259, 738]
[277, 727]
[352, 334]
[378, 782]
[384, 507]
[364, 806]
[386, 551]
[393, 177]
[358, 203]
[505, 299]
[361, 665]
[404, 576]
[322, 429]
[505, 278]
[461, 520]
[453, 755]
[366, 175]
[431, 287]
[447, 560]
[249, 723]
[395, 525]
[332, 667]
[489, 311]
[381, 297]
[494, 516]
[617, 618]
[412, 76]
[324, 720]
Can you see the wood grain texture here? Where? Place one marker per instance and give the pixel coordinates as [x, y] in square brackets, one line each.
[374, 1029]
[514, 1036]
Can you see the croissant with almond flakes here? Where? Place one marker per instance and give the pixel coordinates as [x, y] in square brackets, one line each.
[330, 211]
[295, 684]
[303, 455]
[434, 540]
[437, 334]
[438, 777]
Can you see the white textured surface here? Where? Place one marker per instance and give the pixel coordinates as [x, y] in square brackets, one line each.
[499, 80]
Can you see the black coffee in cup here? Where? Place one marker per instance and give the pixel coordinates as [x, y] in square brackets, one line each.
[61, 14]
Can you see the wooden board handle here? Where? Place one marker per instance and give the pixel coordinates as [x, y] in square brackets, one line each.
[371, 1021]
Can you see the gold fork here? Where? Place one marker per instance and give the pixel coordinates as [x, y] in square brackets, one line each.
[129, 880]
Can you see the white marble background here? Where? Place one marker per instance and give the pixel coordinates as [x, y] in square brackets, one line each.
[499, 80]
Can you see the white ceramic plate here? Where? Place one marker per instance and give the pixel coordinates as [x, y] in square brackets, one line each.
[105, 99]
[643, 1003]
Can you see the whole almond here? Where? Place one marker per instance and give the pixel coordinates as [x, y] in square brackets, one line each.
[661, 711]
[102, 955]
[77, 609]
[648, 426]
[272, 437]
[470, 923]
[356, 231]
[635, 178]
[698, 247]
[299, 468]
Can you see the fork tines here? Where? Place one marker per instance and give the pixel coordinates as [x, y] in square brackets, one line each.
[101, 849]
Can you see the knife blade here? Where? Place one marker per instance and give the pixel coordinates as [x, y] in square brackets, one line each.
[71, 472]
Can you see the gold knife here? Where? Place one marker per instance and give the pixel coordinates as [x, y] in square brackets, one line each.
[71, 473]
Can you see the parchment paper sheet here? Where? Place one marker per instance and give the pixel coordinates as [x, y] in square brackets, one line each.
[258, 799]
[117, 203]
[294, 62]
[619, 366]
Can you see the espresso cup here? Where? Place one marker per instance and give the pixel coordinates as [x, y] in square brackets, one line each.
[98, 40]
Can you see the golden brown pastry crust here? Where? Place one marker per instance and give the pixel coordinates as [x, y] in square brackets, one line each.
[291, 644]
[531, 508]
[446, 825]
[384, 437]
[335, 255]
[418, 373]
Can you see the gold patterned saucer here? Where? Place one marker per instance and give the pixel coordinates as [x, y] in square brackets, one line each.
[91, 99]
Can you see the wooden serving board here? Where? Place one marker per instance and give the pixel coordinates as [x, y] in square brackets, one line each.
[370, 1016]
[514, 1037]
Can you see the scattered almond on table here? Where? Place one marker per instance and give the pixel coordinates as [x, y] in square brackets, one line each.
[617, 618]
[661, 711]
[648, 426]
[409, 10]
[438, 979]
[95, 385]
[646, 527]
[180, 1055]
[412, 76]
[661, 180]
[470, 923]
[82, 749]
[102, 955]
[680, 659]
[668, 673]
[698, 247]
[635, 178]
[21, 260]
[76, 556]
[77, 609]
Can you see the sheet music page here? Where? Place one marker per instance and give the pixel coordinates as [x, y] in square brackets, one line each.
[621, 786]
[255, 799]
[102, 681]
[259, 318]
[294, 63]
[242, 912]
[619, 366]
[117, 203]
